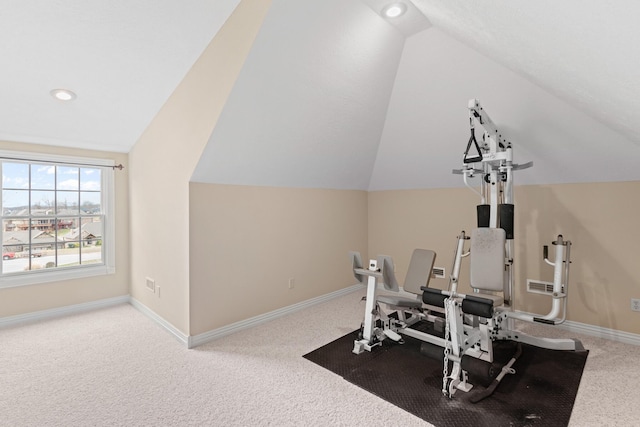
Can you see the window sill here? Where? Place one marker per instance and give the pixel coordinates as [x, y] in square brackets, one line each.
[37, 277]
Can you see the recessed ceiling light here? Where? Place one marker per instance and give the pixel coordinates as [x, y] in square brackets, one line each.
[394, 10]
[63, 94]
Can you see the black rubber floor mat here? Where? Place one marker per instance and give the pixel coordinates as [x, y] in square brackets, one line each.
[540, 393]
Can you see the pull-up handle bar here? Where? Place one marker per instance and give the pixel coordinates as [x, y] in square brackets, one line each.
[477, 158]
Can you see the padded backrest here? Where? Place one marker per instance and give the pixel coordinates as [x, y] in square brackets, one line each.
[356, 262]
[385, 264]
[419, 271]
[487, 259]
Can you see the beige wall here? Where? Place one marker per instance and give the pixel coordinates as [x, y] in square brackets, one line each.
[164, 158]
[600, 219]
[31, 298]
[247, 242]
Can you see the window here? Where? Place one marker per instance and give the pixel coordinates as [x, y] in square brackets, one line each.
[57, 218]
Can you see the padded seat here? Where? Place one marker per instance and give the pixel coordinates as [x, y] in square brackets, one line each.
[399, 301]
[487, 263]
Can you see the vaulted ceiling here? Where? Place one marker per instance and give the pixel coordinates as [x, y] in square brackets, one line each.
[334, 95]
[123, 59]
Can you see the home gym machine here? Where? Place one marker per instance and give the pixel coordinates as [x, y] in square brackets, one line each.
[478, 327]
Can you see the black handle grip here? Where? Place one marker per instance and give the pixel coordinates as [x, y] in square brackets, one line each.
[545, 252]
[477, 157]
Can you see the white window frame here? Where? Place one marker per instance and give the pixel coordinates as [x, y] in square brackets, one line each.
[109, 236]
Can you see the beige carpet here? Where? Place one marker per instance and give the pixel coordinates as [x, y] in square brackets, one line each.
[115, 367]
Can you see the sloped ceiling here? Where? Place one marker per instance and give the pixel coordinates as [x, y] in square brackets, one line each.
[426, 128]
[338, 102]
[309, 105]
[584, 52]
[122, 58]
[332, 94]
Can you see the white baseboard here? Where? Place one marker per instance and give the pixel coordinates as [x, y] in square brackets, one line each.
[52, 313]
[595, 331]
[600, 332]
[196, 340]
[184, 339]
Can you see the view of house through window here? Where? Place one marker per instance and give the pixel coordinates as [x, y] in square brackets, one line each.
[52, 216]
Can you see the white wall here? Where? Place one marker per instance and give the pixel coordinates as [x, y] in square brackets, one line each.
[427, 126]
[310, 103]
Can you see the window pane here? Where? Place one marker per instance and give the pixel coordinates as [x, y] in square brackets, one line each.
[13, 242]
[90, 203]
[43, 236]
[10, 263]
[42, 224]
[42, 203]
[90, 179]
[68, 203]
[43, 177]
[67, 229]
[15, 202]
[91, 240]
[91, 251]
[15, 234]
[67, 178]
[15, 175]
[35, 259]
[9, 228]
[92, 229]
[68, 234]
[69, 256]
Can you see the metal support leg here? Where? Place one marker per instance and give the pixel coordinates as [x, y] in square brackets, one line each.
[368, 336]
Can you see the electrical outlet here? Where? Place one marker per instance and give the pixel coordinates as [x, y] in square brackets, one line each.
[292, 282]
[635, 304]
[151, 284]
